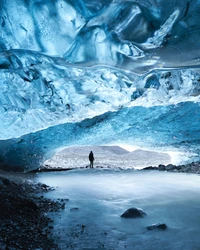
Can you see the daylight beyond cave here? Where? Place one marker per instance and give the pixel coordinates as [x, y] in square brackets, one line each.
[95, 73]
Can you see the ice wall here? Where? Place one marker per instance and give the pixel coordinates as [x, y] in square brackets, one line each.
[97, 72]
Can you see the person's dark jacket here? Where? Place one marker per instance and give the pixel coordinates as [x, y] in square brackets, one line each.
[91, 156]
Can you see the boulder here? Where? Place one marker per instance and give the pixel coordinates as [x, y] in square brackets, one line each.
[186, 169]
[150, 168]
[74, 209]
[160, 226]
[169, 167]
[161, 167]
[31, 204]
[133, 213]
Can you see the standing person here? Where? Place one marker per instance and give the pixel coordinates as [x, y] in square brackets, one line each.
[91, 159]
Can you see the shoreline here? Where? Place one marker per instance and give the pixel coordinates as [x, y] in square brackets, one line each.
[98, 197]
[190, 168]
[25, 214]
[193, 167]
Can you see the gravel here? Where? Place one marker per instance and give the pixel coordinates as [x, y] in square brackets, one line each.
[25, 214]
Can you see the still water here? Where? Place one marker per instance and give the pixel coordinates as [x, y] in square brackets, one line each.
[91, 218]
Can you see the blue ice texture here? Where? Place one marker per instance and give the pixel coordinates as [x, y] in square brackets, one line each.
[97, 72]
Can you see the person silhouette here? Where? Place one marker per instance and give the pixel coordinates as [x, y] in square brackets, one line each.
[91, 159]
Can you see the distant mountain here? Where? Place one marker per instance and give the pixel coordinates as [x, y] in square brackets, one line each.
[115, 149]
[147, 158]
[112, 156]
[145, 154]
[97, 150]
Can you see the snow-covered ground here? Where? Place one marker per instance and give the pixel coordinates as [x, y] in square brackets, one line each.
[97, 198]
[107, 156]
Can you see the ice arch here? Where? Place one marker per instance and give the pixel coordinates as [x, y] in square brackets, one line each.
[97, 72]
[158, 127]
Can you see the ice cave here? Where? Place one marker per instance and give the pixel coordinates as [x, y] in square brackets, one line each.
[98, 72]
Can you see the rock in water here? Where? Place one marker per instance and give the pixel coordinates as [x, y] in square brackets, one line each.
[74, 209]
[161, 226]
[133, 213]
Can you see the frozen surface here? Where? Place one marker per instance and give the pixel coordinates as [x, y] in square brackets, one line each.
[101, 196]
[97, 72]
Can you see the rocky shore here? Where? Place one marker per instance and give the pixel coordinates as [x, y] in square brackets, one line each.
[25, 215]
[193, 167]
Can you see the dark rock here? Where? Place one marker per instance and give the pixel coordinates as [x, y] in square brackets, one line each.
[161, 226]
[31, 204]
[6, 182]
[82, 227]
[23, 216]
[74, 209]
[150, 168]
[161, 167]
[169, 167]
[133, 213]
[1, 184]
[44, 186]
[186, 170]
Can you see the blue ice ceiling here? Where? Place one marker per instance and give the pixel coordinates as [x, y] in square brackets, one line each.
[97, 72]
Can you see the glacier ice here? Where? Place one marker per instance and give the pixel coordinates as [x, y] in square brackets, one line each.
[97, 72]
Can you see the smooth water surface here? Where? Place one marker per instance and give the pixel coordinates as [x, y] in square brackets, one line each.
[91, 218]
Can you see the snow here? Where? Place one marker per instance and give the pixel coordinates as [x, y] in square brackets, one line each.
[101, 196]
[106, 156]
